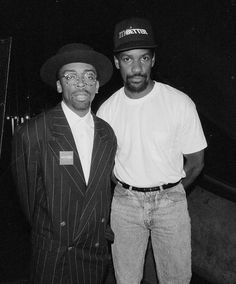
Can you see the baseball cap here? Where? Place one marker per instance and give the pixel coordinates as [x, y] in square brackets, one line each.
[133, 33]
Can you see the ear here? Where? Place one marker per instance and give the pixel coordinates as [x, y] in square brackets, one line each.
[153, 59]
[117, 64]
[97, 87]
[59, 87]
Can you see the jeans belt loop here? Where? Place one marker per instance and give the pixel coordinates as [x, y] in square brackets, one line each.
[161, 188]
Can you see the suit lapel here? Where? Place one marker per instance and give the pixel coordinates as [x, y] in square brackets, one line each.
[99, 145]
[63, 141]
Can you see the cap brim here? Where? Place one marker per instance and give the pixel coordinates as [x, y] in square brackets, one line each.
[134, 45]
[100, 62]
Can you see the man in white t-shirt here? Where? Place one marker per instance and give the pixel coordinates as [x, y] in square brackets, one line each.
[160, 153]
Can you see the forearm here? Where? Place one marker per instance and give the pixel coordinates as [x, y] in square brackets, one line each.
[191, 175]
[193, 166]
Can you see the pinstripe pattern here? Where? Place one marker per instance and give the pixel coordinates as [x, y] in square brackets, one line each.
[68, 219]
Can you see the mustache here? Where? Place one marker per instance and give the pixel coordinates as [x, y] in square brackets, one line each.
[136, 75]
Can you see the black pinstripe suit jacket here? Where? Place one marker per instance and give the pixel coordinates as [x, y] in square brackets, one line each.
[69, 220]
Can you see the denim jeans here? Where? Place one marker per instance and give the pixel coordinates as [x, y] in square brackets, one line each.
[161, 214]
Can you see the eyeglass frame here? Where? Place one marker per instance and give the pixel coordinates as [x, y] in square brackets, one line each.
[81, 77]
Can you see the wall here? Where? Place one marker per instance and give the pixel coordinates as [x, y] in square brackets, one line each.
[213, 236]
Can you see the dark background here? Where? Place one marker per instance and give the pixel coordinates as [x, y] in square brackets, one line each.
[196, 53]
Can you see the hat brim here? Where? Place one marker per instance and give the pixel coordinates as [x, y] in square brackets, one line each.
[100, 62]
[134, 45]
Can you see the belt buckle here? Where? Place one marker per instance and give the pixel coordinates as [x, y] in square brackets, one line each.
[151, 189]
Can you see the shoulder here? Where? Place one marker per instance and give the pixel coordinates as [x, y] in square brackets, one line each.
[37, 124]
[172, 92]
[29, 125]
[105, 130]
[27, 133]
[102, 124]
[173, 96]
[112, 102]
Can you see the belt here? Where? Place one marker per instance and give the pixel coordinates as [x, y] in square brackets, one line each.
[148, 189]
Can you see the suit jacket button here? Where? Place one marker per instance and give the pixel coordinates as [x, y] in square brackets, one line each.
[63, 223]
[70, 248]
[103, 220]
[96, 245]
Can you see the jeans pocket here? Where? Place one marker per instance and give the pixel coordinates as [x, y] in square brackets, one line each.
[176, 193]
[120, 192]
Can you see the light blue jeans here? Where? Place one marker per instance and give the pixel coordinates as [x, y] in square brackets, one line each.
[161, 214]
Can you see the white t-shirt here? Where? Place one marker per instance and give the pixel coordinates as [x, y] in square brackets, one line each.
[153, 133]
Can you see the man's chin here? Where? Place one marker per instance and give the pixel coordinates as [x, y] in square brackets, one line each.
[82, 106]
[136, 87]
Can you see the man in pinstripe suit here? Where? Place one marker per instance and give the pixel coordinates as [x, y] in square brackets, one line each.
[63, 160]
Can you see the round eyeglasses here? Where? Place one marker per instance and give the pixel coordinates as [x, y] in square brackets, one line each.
[88, 78]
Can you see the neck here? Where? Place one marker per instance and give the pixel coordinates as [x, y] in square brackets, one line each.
[81, 113]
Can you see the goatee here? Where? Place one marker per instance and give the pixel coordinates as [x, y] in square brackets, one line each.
[130, 86]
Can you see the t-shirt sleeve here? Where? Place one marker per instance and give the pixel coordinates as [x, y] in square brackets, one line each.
[99, 112]
[102, 112]
[192, 135]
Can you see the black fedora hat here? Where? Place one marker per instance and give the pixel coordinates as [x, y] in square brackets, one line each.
[76, 52]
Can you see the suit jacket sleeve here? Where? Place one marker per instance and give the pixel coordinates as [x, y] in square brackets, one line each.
[25, 168]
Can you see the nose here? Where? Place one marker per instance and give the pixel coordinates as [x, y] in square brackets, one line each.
[136, 67]
[80, 82]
